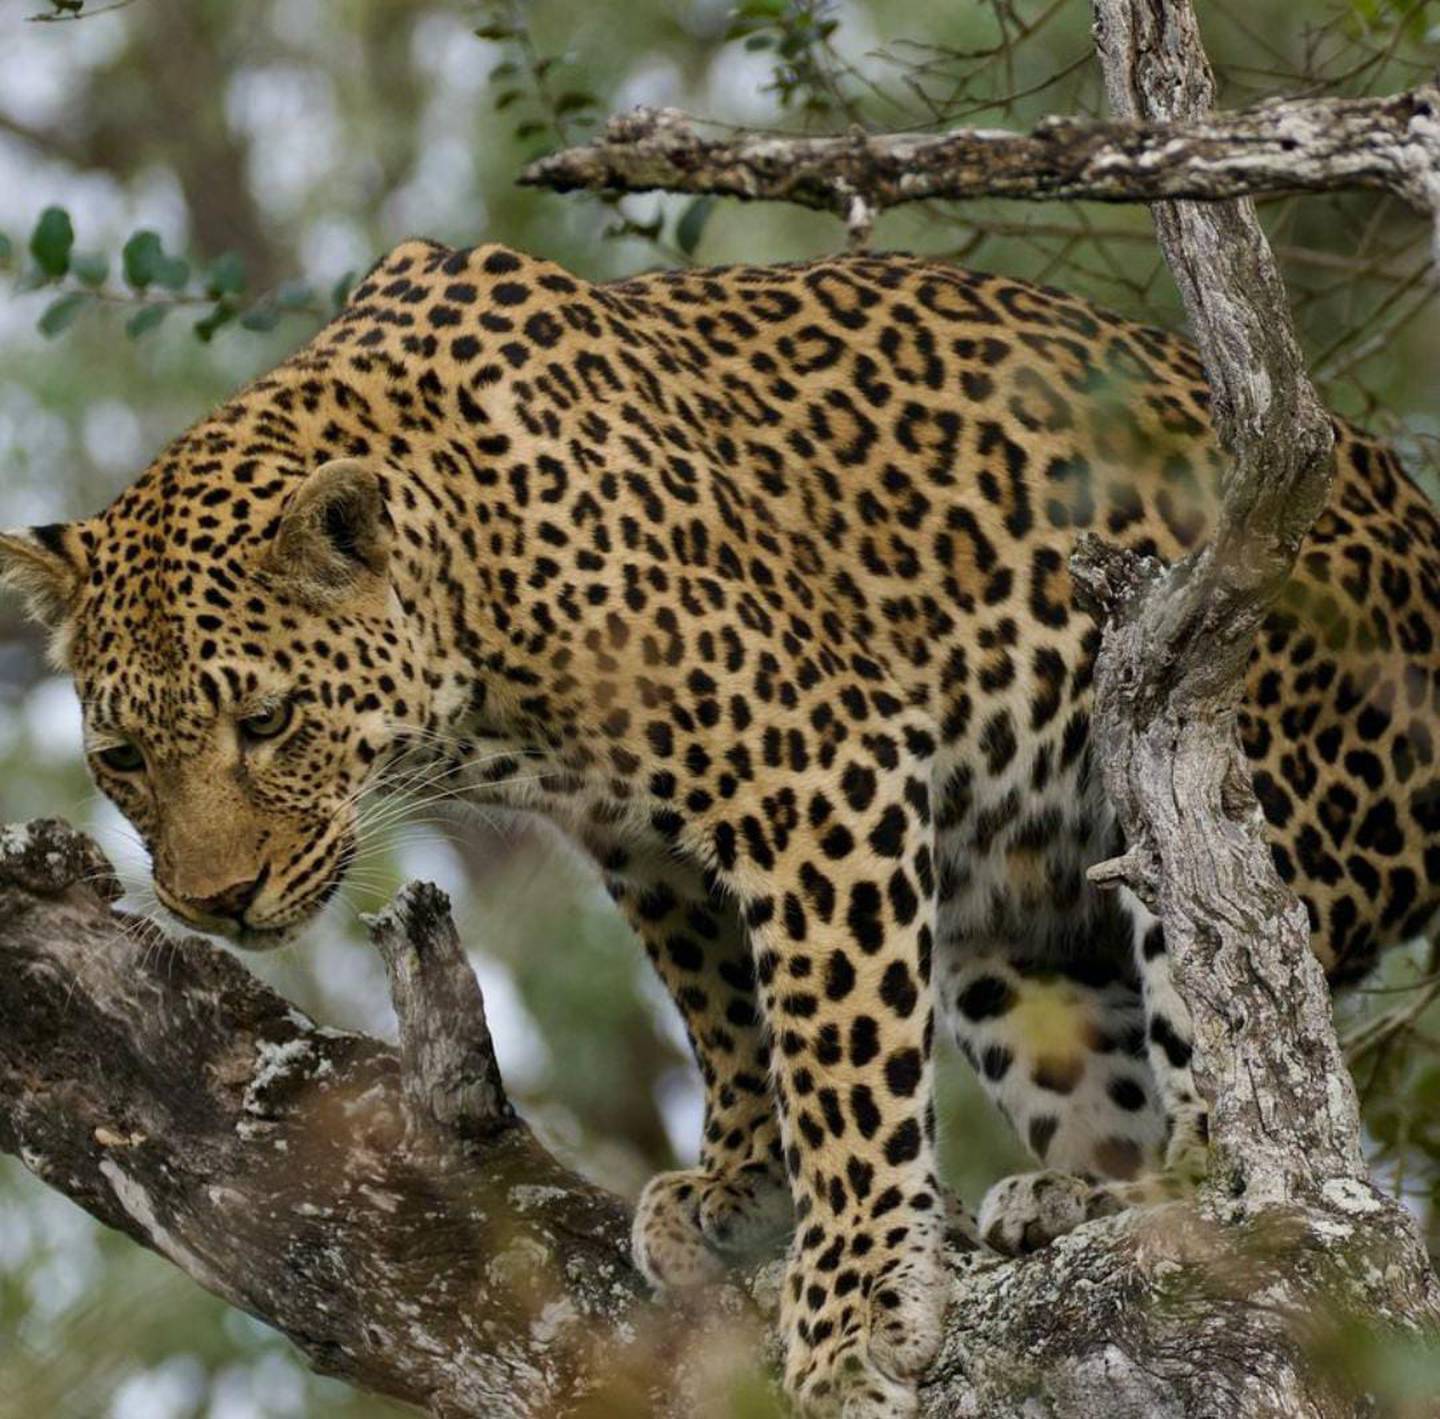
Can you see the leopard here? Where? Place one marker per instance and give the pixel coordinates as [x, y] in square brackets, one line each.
[755, 581]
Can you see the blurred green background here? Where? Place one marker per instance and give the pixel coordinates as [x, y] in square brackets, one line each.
[219, 171]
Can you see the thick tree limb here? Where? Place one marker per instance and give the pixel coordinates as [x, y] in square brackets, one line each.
[386, 1211]
[1310, 145]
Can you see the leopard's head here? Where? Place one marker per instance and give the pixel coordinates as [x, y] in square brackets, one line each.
[246, 668]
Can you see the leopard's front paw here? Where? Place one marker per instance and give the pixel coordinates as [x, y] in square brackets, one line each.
[1027, 1212]
[860, 1330]
[690, 1226]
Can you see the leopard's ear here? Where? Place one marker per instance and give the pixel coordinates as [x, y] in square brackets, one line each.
[47, 566]
[334, 537]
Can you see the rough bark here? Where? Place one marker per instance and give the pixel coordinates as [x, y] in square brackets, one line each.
[386, 1210]
[383, 1208]
[1284, 1115]
[1311, 145]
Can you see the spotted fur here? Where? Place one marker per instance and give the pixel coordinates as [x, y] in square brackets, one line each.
[755, 580]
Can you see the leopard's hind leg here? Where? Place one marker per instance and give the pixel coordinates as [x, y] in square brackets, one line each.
[1065, 1058]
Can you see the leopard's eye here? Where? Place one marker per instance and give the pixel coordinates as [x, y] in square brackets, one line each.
[270, 725]
[123, 758]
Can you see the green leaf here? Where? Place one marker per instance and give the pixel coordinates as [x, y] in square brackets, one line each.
[59, 314]
[146, 263]
[574, 101]
[340, 291]
[691, 225]
[226, 276]
[173, 273]
[503, 101]
[51, 241]
[496, 32]
[147, 318]
[92, 267]
[142, 259]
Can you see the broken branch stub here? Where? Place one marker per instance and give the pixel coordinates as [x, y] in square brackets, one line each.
[447, 1058]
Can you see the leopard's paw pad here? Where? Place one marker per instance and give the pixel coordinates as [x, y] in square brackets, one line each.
[1024, 1213]
[691, 1225]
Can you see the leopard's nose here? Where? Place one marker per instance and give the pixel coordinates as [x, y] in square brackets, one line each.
[232, 903]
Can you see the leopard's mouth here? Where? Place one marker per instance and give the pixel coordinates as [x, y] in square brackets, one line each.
[256, 939]
[282, 922]
[261, 936]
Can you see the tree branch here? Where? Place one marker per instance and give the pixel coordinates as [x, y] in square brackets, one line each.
[1312, 145]
[385, 1212]
[447, 1060]
[1284, 1119]
[388, 1213]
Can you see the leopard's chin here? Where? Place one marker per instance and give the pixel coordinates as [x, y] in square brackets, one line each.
[251, 939]
[256, 938]
[259, 939]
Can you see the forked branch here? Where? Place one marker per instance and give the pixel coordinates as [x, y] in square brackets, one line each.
[1284, 1118]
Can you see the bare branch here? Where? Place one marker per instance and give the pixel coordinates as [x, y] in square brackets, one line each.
[63, 10]
[1313, 145]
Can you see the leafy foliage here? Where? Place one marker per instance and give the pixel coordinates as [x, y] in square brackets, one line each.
[799, 34]
[533, 88]
[156, 282]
